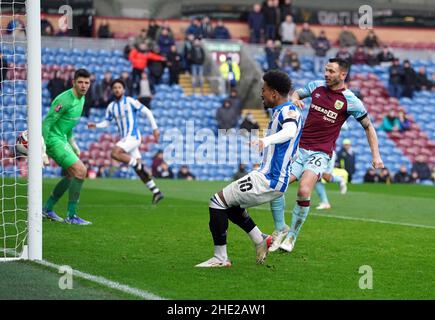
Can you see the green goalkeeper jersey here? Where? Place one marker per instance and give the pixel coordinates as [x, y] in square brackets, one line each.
[65, 112]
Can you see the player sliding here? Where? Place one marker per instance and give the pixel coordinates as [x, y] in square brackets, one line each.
[263, 185]
[57, 129]
[331, 105]
[124, 110]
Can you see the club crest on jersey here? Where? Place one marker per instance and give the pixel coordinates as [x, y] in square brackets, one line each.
[58, 107]
[338, 104]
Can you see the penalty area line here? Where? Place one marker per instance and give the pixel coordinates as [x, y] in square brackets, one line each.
[106, 283]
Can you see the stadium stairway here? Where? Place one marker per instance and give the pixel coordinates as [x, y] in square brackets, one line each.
[259, 115]
[186, 84]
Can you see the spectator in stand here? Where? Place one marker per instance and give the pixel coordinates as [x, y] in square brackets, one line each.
[106, 89]
[164, 171]
[174, 65]
[321, 47]
[422, 82]
[125, 76]
[390, 122]
[4, 69]
[141, 38]
[236, 102]
[286, 9]
[63, 31]
[227, 116]
[197, 66]
[165, 26]
[46, 26]
[420, 166]
[270, 18]
[185, 174]
[165, 42]
[240, 173]
[402, 176]
[156, 162]
[187, 52]
[15, 27]
[306, 36]
[95, 92]
[249, 123]
[221, 32]
[347, 38]
[155, 70]
[433, 82]
[56, 85]
[139, 59]
[195, 28]
[230, 72]
[346, 158]
[395, 80]
[344, 54]
[256, 24]
[371, 176]
[206, 28]
[409, 80]
[372, 58]
[404, 122]
[359, 56]
[153, 29]
[385, 176]
[291, 60]
[104, 30]
[385, 56]
[145, 94]
[287, 31]
[433, 174]
[272, 55]
[371, 40]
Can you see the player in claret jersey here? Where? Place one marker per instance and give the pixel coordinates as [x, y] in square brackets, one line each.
[331, 105]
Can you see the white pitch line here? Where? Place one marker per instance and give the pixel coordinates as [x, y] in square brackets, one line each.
[107, 283]
[403, 224]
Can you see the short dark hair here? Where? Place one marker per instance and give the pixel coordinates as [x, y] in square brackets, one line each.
[83, 73]
[279, 81]
[118, 81]
[343, 64]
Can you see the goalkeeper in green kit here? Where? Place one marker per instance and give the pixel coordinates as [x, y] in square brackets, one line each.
[57, 127]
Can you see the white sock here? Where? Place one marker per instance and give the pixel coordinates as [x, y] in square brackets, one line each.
[132, 162]
[256, 235]
[221, 252]
[152, 186]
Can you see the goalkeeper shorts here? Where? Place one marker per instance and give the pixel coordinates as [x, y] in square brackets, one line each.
[62, 153]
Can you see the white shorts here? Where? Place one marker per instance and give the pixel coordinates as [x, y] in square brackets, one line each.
[331, 164]
[250, 191]
[131, 146]
[314, 161]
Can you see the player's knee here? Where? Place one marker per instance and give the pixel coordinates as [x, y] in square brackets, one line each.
[327, 177]
[115, 154]
[304, 191]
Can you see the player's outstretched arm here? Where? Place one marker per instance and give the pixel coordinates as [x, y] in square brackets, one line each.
[372, 139]
[100, 125]
[288, 132]
[296, 100]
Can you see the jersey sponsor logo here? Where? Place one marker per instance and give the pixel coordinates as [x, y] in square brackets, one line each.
[338, 104]
[58, 108]
[317, 95]
[328, 113]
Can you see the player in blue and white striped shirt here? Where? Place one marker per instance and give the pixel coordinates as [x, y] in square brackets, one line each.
[263, 185]
[124, 110]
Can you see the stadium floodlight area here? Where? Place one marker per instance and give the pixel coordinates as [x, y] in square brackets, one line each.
[20, 109]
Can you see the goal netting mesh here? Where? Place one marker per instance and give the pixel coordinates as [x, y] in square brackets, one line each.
[13, 120]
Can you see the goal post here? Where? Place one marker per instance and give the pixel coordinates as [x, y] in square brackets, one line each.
[34, 122]
[20, 109]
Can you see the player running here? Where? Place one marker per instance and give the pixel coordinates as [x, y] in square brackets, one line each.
[124, 110]
[331, 105]
[57, 128]
[263, 185]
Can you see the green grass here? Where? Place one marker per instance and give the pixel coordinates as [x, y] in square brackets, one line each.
[155, 248]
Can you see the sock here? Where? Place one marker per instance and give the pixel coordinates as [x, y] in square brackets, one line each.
[152, 186]
[221, 252]
[277, 207]
[218, 226]
[132, 162]
[74, 196]
[337, 179]
[299, 214]
[321, 191]
[57, 193]
[256, 235]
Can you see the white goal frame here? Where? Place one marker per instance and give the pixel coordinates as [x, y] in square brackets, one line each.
[33, 249]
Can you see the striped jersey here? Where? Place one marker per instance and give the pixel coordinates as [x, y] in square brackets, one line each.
[125, 111]
[276, 159]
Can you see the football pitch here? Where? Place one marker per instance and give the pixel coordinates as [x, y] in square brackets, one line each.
[153, 249]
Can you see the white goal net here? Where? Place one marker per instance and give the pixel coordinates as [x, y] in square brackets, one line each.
[14, 115]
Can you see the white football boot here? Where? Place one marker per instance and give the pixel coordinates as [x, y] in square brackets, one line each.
[343, 186]
[323, 206]
[278, 237]
[262, 249]
[288, 244]
[214, 262]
